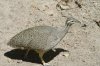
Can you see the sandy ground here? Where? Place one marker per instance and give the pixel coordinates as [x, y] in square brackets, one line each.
[82, 41]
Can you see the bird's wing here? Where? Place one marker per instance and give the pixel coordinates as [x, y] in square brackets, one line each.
[52, 41]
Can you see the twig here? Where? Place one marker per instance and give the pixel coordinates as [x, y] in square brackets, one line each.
[79, 5]
[97, 22]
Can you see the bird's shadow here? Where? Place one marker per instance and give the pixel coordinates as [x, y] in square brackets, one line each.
[33, 56]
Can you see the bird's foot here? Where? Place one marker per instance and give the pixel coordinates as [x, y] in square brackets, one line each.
[46, 64]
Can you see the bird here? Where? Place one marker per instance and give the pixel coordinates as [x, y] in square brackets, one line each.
[41, 38]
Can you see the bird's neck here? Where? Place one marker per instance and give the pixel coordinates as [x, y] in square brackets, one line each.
[63, 32]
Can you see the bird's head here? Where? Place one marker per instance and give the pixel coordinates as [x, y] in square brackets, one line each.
[71, 21]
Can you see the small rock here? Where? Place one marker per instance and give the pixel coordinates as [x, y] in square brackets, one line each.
[66, 54]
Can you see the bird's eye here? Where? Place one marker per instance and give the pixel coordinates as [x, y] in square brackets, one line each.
[72, 21]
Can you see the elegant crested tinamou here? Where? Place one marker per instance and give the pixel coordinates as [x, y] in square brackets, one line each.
[41, 38]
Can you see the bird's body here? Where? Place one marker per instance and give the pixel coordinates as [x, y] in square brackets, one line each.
[40, 38]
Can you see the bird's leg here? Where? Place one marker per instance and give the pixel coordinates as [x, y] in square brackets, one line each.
[27, 51]
[41, 53]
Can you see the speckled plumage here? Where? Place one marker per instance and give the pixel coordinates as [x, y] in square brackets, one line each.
[34, 38]
[40, 38]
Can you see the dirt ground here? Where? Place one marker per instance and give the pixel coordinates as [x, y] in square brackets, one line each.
[82, 40]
